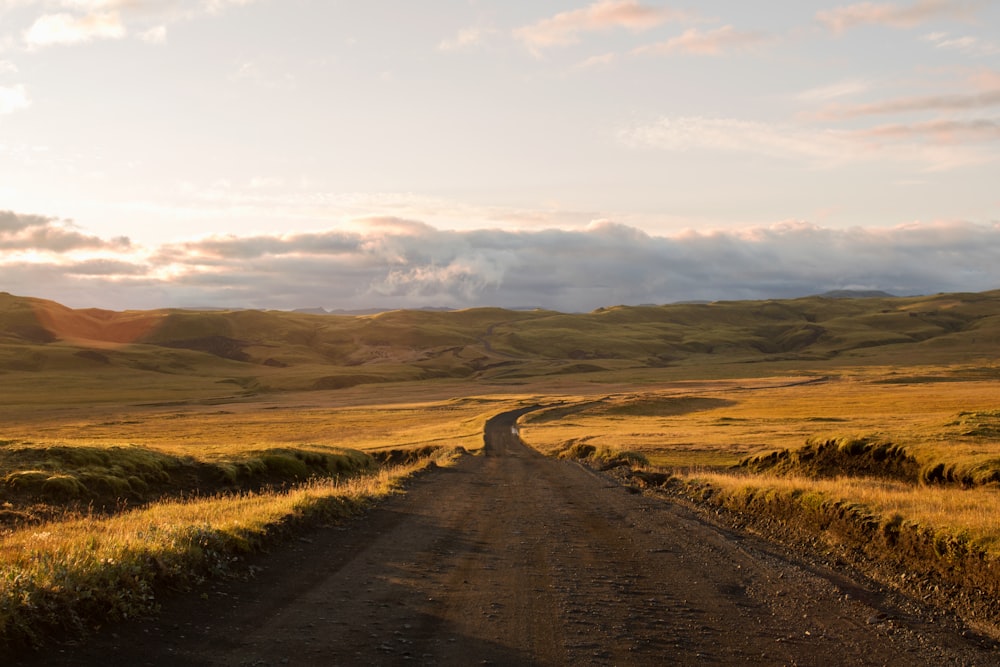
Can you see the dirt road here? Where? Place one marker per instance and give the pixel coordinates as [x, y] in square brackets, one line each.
[514, 559]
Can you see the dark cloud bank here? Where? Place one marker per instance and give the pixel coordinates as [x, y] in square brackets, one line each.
[402, 264]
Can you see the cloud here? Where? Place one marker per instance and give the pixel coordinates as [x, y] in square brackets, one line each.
[19, 232]
[943, 131]
[967, 44]
[706, 43]
[90, 20]
[393, 263]
[15, 222]
[565, 28]
[63, 28]
[105, 268]
[224, 199]
[595, 62]
[841, 19]
[13, 98]
[847, 88]
[956, 102]
[937, 145]
[735, 135]
[464, 39]
[256, 247]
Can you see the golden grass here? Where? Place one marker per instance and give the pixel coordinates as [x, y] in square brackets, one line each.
[970, 513]
[225, 431]
[128, 455]
[718, 423]
[74, 572]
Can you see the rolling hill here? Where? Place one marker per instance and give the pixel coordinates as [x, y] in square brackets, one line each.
[278, 350]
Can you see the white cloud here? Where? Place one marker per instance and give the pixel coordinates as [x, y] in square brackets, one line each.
[956, 102]
[7, 67]
[935, 145]
[833, 91]
[13, 98]
[731, 134]
[19, 232]
[603, 60]
[301, 202]
[52, 29]
[464, 39]
[219, 5]
[967, 44]
[841, 19]
[89, 20]
[942, 131]
[706, 43]
[406, 263]
[565, 28]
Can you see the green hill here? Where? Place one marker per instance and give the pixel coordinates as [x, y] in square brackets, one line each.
[255, 350]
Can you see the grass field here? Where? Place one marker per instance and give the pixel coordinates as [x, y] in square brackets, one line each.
[201, 432]
[716, 424]
[105, 455]
[701, 428]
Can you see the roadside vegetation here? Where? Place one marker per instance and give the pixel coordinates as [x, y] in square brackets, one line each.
[77, 573]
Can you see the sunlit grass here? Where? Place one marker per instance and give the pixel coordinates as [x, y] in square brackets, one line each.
[75, 572]
[970, 513]
[719, 423]
[219, 431]
[133, 455]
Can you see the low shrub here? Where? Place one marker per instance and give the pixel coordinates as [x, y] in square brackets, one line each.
[63, 487]
[869, 456]
[601, 457]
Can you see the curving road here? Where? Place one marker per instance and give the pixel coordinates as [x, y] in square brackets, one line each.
[515, 559]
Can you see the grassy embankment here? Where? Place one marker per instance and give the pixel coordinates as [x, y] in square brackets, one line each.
[897, 471]
[76, 573]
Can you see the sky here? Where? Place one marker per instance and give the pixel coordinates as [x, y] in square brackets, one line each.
[565, 154]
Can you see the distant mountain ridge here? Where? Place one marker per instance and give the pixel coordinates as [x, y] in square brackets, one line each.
[857, 294]
[365, 311]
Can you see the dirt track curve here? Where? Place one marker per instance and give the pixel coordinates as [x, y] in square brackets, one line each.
[515, 559]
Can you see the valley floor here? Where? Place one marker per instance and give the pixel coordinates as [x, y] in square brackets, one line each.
[514, 558]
